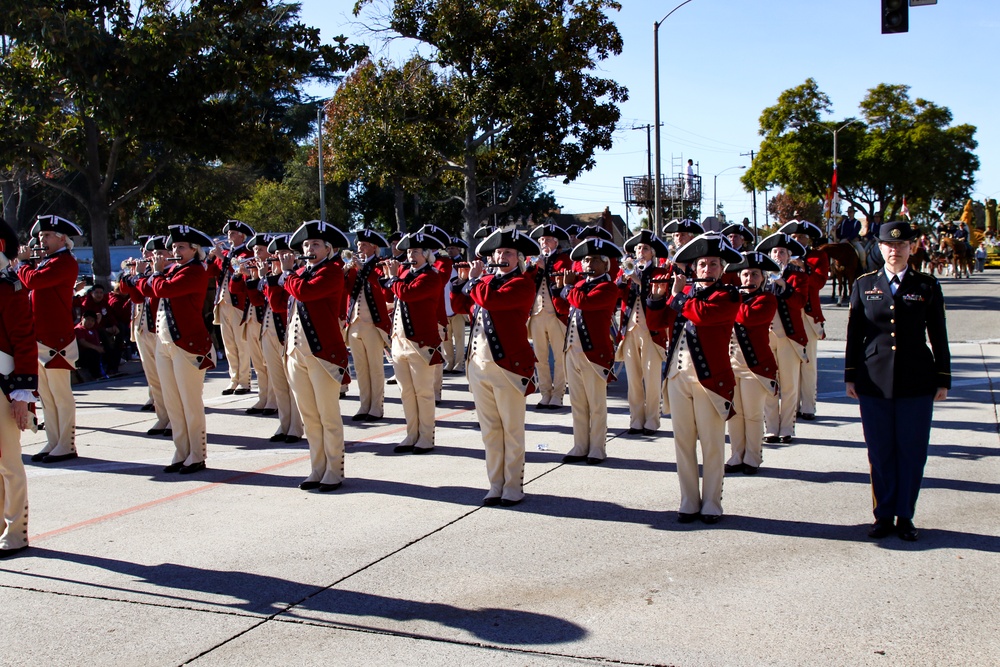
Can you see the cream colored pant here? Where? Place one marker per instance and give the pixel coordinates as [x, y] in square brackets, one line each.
[55, 389]
[182, 383]
[588, 396]
[779, 411]
[237, 351]
[415, 377]
[746, 428]
[644, 369]
[251, 330]
[548, 333]
[367, 345]
[289, 420]
[695, 419]
[809, 372]
[500, 406]
[146, 342]
[315, 391]
[454, 344]
[13, 482]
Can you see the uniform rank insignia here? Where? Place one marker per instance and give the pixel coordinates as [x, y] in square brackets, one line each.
[913, 297]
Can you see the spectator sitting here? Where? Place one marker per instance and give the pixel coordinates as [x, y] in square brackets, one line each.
[89, 342]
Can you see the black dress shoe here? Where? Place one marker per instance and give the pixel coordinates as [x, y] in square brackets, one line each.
[907, 531]
[148, 407]
[155, 431]
[372, 418]
[168, 433]
[39, 456]
[277, 437]
[254, 411]
[242, 391]
[422, 450]
[57, 459]
[750, 470]
[881, 528]
[770, 439]
[402, 449]
[686, 517]
[509, 503]
[360, 417]
[269, 412]
[292, 439]
[573, 458]
[391, 381]
[228, 392]
[327, 488]
[491, 502]
[737, 467]
[4, 553]
[808, 416]
[309, 486]
[785, 439]
[648, 431]
[711, 519]
[194, 467]
[174, 467]
[594, 461]
[634, 431]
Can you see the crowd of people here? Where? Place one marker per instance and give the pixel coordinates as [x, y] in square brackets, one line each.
[716, 329]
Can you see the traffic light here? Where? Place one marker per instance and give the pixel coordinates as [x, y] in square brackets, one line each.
[895, 16]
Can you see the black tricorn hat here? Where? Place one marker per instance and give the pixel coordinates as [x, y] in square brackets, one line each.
[395, 236]
[594, 246]
[754, 260]
[781, 240]
[484, 231]
[509, 238]
[574, 230]
[649, 238]
[369, 235]
[594, 232]
[896, 231]
[278, 242]
[737, 228]
[318, 229]
[53, 223]
[238, 226]
[261, 238]
[458, 242]
[8, 240]
[709, 244]
[155, 243]
[185, 234]
[422, 240]
[801, 227]
[549, 229]
[685, 225]
[442, 236]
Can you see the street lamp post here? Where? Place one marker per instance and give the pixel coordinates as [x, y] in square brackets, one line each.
[817, 123]
[715, 186]
[657, 199]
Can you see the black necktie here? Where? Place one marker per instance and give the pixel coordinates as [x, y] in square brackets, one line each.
[894, 284]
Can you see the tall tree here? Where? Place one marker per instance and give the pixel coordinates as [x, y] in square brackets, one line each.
[898, 147]
[516, 88]
[116, 91]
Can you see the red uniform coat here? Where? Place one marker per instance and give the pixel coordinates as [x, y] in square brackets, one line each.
[592, 305]
[365, 283]
[818, 269]
[633, 296]
[791, 301]
[503, 303]
[706, 319]
[18, 349]
[221, 269]
[277, 300]
[127, 286]
[181, 290]
[51, 283]
[542, 277]
[752, 332]
[418, 295]
[317, 291]
[443, 265]
[247, 292]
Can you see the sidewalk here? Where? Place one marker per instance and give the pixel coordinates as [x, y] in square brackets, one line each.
[402, 566]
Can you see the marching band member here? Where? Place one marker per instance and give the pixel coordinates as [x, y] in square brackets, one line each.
[51, 284]
[547, 325]
[18, 381]
[501, 364]
[642, 348]
[185, 351]
[454, 336]
[144, 327]
[596, 232]
[230, 308]
[272, 339]
[138, 319]
[441, 264]
[788, 336]
[816, 265]
[416, 337]
[368, 324]
[753, 362]
[315, 350]
[588, 347]
[245, 284]
[700, 378]
[681, 232]
[741, 239]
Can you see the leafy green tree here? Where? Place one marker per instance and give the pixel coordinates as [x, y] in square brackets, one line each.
[514, 87]
[898, 147]
[784, 207]
[116, 92]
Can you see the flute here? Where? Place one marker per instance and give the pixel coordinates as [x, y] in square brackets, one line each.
[500, 265]
[305, 257]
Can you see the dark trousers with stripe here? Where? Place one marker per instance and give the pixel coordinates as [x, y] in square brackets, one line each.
[897, 432]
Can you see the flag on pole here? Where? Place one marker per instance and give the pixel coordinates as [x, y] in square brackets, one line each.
[904, 210]
[832, 200]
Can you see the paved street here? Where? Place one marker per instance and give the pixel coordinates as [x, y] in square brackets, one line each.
[131, 566]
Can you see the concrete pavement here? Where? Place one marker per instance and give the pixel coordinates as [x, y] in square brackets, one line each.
[129, 565]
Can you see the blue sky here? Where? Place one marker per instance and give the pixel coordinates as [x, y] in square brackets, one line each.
[723, 61]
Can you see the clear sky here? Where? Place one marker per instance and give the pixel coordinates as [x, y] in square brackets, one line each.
[723, 61]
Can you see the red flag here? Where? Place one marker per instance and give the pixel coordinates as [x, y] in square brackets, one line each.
[904, 210]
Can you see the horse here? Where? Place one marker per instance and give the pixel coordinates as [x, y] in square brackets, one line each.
[844, 265]
[960, 254]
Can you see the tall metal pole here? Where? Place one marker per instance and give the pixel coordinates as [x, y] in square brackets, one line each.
[319, 155]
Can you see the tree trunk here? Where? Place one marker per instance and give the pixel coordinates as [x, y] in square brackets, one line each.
[98, 212]
[470, 212]
[398, 196]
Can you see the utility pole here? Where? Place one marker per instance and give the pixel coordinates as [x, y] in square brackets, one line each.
[753, 194]
[649, 166]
